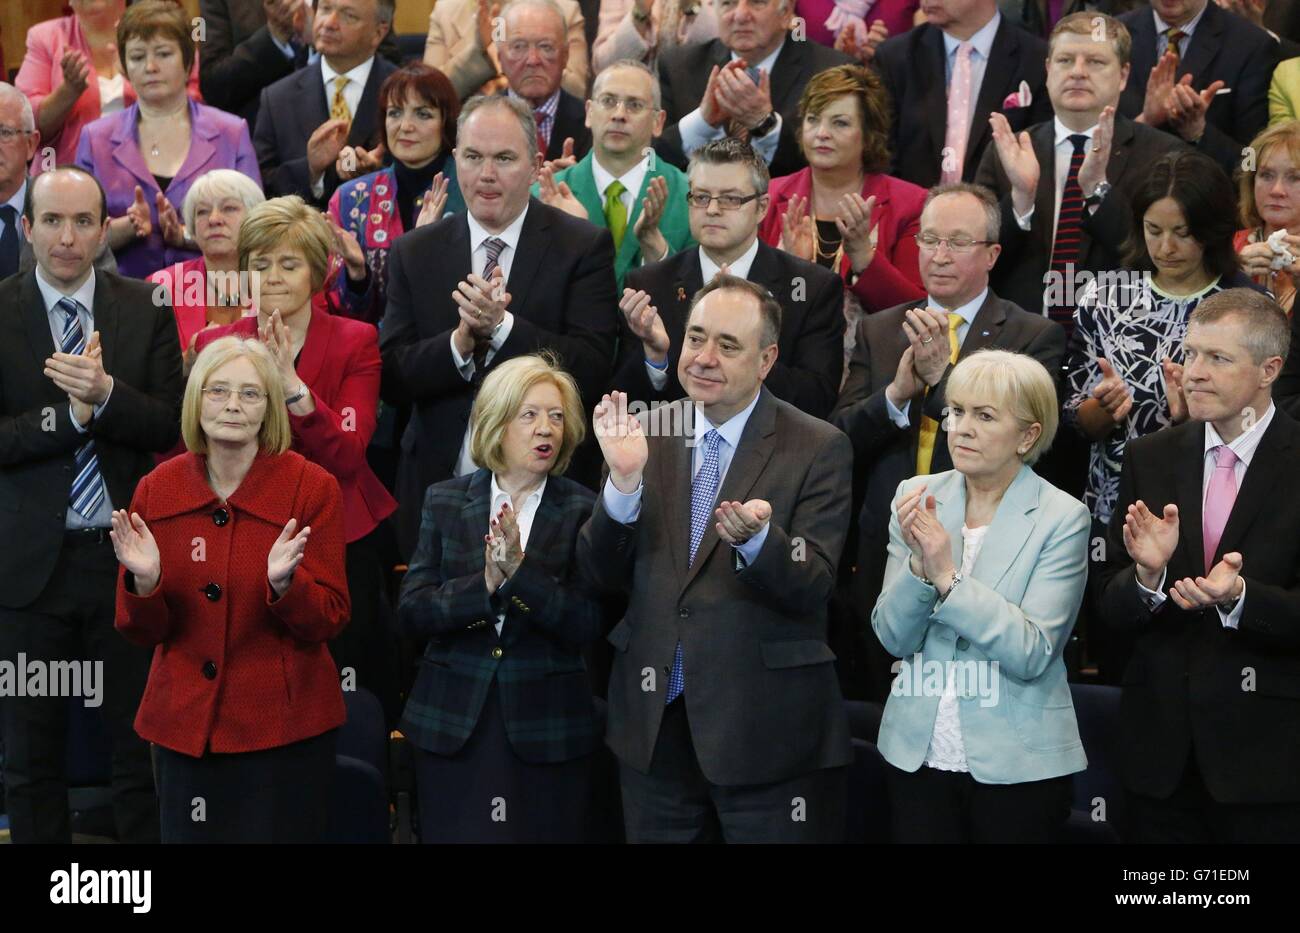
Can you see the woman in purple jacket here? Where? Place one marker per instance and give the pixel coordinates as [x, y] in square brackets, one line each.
[148, 155]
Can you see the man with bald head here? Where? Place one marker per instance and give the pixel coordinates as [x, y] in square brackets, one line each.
[90, 388]
[507, 277]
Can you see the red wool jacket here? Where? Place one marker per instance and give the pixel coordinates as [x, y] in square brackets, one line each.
[236, 670]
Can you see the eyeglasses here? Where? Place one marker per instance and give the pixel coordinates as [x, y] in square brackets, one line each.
[957, 244]
[632, 105]
[728, 202]
[8, 133]
[519, 48]
[220, 393]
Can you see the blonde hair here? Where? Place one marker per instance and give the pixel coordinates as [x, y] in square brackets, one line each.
[288, 220]
[498, 404]
[220, 183]
[1011, 381]
[274, 437]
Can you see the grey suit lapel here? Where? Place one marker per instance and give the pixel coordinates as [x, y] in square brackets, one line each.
[674, 477]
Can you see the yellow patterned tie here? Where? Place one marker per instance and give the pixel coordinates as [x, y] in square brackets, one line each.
[339, 105]
[930, 427]
[1175, 36]
[615, 212]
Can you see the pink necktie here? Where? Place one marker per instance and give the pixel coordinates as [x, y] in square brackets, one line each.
[954, 140]
[1219, 498]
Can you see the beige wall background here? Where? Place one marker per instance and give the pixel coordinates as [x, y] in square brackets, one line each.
[17, 15]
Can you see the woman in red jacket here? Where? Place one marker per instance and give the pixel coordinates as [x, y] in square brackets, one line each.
[842, 211]
[232, 565]
[328, 367]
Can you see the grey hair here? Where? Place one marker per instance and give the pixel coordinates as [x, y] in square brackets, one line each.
[522, 112]
[9, 92]
[1265, 331]
[988, 200]
[385, 11]
[544, 4]
[656, 97]
[220, 183]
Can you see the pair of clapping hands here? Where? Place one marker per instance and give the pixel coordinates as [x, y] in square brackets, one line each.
[1151, 540]
[82, 376]
[625, 449]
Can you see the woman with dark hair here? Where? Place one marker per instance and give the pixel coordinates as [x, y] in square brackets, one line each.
[1124, 361]
[842, 211]
[418, 108]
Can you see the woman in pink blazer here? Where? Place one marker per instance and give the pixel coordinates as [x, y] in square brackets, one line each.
[65, 95]
[842, 211]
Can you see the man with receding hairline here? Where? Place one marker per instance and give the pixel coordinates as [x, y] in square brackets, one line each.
[721, 519]
[1203, 572]
[90, 389]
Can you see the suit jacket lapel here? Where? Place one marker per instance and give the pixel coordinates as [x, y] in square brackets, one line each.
[931, 69]
[315, 104]
[528, 257]
[363, 121]
[106, 315]
[1005, 52]
[688, 281]
[477, 508]
[1204, 45]
[1009, 530]
[1120, 146]
[37, 321]
[1044, 142]
[201, 151]
[126, 149]
[311, 358]
[985, 329]
[1266, 475]
[950, 503]
[757, 442]
[1189, 476]
[786, 71]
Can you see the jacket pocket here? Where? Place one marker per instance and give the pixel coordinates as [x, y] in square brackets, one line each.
[783, 654]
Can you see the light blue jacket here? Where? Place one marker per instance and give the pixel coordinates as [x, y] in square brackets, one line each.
[1008, 621]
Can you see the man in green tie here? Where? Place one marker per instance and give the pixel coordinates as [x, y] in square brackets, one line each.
[620, 184]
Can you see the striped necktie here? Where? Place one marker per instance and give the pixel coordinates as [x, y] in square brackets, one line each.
[704, 494]
[1175, 36]
[492, 247]
[88, 486]
[1069, 234]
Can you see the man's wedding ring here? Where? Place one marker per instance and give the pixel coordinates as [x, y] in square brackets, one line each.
[928, 340]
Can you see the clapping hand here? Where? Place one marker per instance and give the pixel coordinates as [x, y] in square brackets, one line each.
[139, 214]
[136, 550]
[646, 229]
[1221, 585]
[435, 201]
[1019, 161]
[797, 234]
[285, 556]
[738, 522]
[854, 223]
[1150, 541]
[566, 160]
[928, 540]
[169, 222]
[503, 540]
[76, 70]
[558, 194]
[1112, 392]
[355, 161]
[646, 325]
[622, 441]
[275, 335]
[1174, 394]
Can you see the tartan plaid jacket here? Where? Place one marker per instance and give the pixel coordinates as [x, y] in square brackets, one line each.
[535, 662]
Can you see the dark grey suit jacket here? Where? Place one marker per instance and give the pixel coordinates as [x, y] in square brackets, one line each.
[1026, 256]
[912, 67]
[1223, 47]
[291, 110]
[885, 454]
[684, 74]
[761, 692]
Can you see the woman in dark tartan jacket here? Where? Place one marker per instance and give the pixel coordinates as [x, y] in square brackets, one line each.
[501, 715]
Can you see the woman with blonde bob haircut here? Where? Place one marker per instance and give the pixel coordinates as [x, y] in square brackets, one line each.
[327, 370]
[987, 565]
[232, 568]
[502, 705]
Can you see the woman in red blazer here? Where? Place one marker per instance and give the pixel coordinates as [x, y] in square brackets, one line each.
[232, 566]
[842, 211]
[329, 368]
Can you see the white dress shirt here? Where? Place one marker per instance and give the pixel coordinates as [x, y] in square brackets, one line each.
[112, 93]
[695, 131]
[1244, 447]
[981, 49]
[708, 269]
[1064, 152]
[478, 235]
[632, 181]
[968, 311]
[85, 297]
[625, 507]
[352, 91]
[523, 517]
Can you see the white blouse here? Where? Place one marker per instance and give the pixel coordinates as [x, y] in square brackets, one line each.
[112, 93]
[947, 750]
[523, 517]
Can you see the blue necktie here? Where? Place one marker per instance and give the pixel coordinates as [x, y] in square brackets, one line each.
[9, 243]
[88, 487]
[704, 493]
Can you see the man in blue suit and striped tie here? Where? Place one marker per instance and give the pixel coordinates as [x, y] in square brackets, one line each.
[90, 387]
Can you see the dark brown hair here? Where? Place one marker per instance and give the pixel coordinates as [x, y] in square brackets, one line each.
[873, 108]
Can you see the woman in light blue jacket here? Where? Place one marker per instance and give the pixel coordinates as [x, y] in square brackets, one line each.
[987, 565]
